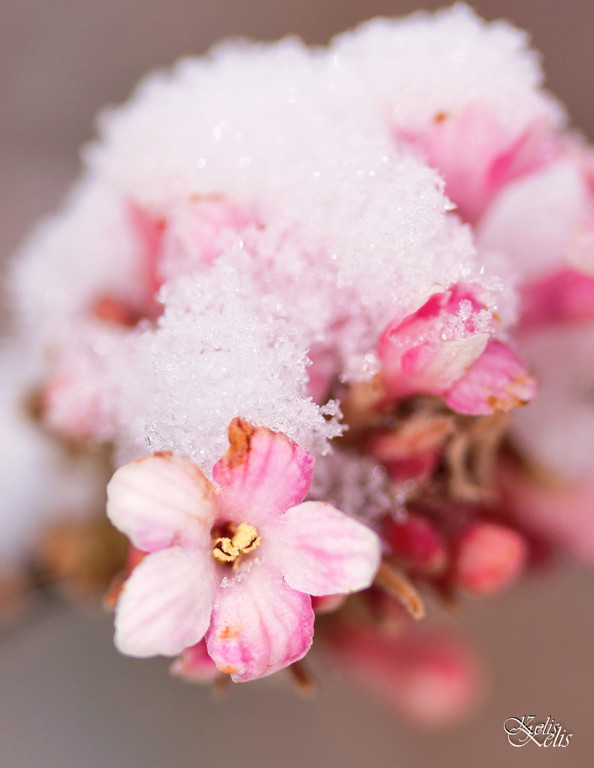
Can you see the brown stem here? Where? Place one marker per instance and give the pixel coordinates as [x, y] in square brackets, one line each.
[303, 678]
[397, 585]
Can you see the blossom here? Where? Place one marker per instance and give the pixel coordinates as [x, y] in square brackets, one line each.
[195, 665]
[365, 295]
[429, 350]
[477, 158]
[446, 348]
[236, 563]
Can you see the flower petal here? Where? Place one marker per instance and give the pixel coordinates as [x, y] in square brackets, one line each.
[429, 350]
[433, 367]
[564, 296]
[495, 383]
[195, 665]
[532, 221]
[477, 155]
[259, 625]
[325, 552]
[159, 500]
[165, 605]
[262, 474]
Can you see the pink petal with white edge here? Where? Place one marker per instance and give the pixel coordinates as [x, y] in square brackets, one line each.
[325, 552]
[436, 366]
[166, 603]
[430, 349]
[259, 625]
[262, 474]
[160, 500]
[496, 383]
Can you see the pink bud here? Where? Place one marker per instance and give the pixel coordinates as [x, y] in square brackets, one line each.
[416, 541]
[431, 678]
[429, 350]
[489, 558]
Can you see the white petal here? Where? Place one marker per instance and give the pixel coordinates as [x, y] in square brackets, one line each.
[324, 552]
[166, 603]
[160, 500]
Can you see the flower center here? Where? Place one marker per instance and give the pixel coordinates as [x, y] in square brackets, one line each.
[231, 542]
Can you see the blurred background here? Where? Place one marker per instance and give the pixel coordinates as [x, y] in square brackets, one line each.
[67, 699]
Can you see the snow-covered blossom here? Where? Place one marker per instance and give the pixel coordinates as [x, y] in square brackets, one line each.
[377, 252]
[444, 348]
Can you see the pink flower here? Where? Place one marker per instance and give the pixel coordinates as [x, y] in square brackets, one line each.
[236, 563]
[544, 222]
[557, 432]
[477, 157]
[71, 409]
[77, 401]
[446, 348]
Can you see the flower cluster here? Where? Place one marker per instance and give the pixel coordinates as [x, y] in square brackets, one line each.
[358, 263]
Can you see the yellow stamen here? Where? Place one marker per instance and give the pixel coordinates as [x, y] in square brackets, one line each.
[224, 550]
[244, 539]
